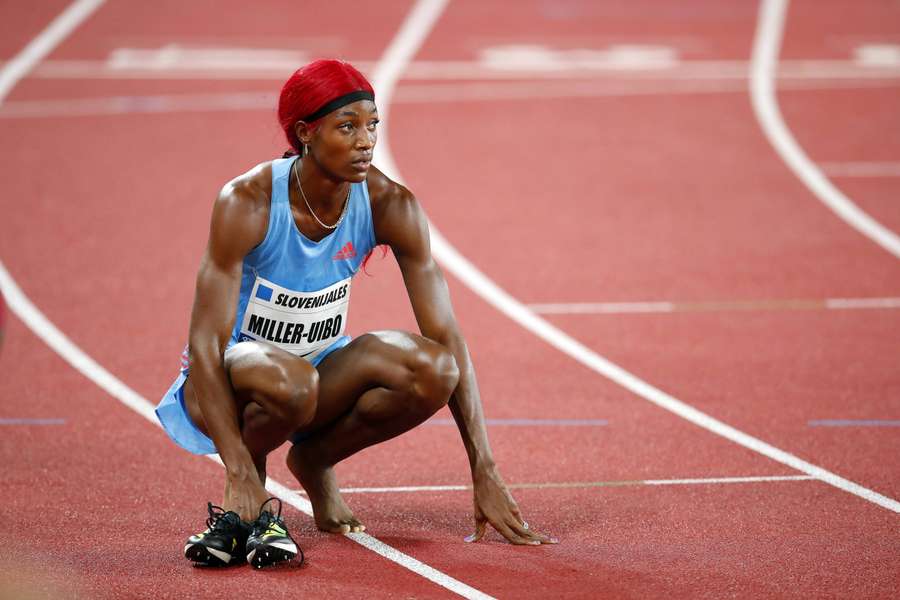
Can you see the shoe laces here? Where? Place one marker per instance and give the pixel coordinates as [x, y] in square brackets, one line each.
[266, 516]
[221, 520]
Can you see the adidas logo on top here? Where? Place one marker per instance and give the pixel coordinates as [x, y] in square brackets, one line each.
[348, 251]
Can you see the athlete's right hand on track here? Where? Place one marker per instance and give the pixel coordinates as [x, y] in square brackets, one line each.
[244, 494]
[495, 505]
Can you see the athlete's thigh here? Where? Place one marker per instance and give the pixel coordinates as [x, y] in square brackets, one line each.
[256, 371]
[376, 359]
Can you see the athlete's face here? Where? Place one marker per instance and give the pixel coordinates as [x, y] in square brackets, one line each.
[344, 140]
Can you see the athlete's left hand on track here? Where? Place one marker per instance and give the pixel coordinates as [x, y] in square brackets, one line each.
[495, 505]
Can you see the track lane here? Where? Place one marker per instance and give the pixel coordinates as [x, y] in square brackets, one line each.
[317, 28]
[652, 214]
[818, 366]
[877, 196]
[19, 26]
[463, 207]
[839, 127]
[735, 205]
[110, 514]
[698, 542]
[833, 29]
[697, 29]
[23, 306]
[477, 315]
[120, 354]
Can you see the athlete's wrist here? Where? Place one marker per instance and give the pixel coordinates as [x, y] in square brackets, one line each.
[482, 463]
[238, 465]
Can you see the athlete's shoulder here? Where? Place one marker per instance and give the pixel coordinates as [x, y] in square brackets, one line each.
[241, 211]
[386, 195]
[396, 214]
[249, 191]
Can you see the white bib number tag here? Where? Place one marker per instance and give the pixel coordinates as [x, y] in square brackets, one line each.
[302, 323]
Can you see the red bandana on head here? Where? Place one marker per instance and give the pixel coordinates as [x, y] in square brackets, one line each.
[317, 89]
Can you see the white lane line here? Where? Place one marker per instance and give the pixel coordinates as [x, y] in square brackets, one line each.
[530, 422]
[736, 70]
[435, 92]
[716, 480]
[854, 423]
[44, 329]
[505, 303]
[861, 169]
[22, 421]
[420, 21]
[854, 303]
[42, 44]
[576, 308]
[406, 42]
[602, 307]
[577, 484]
[499, 298]
[126, 105]
[766, 47]
[587, 308]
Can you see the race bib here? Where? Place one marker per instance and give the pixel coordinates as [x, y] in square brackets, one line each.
[303, 323]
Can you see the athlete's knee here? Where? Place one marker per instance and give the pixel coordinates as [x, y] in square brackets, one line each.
[292, 393]
[303, 395]
[369, 344]
[434, 375]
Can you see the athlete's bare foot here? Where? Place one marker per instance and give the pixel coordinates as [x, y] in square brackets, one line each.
[330, 511]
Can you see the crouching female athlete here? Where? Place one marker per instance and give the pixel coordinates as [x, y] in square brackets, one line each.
[268, 360]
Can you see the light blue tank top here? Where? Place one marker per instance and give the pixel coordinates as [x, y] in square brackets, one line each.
[295, 292]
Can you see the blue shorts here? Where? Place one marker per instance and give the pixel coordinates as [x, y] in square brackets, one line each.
[174, 417]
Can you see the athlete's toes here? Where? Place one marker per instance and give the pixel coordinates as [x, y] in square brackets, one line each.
[331, 526]
[356, 526]
[341, 528]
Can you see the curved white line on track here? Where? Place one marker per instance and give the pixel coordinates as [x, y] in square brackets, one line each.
[43, 328]
[44, 43]
[518, 312]
[766, 47]
[500, 299]
[413, 32]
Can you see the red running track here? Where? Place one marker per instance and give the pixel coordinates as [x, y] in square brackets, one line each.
[560, 195]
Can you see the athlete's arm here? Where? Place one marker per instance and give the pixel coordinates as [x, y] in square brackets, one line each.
[239, 223]
[401, 224]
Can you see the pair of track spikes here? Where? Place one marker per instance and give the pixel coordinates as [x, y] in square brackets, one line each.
[228, 540]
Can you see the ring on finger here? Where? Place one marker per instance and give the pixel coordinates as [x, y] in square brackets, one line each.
[524, 524]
